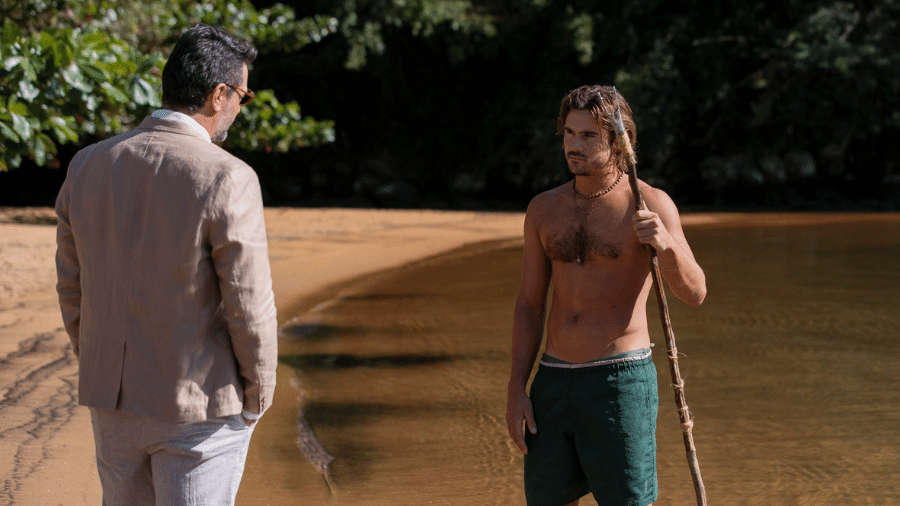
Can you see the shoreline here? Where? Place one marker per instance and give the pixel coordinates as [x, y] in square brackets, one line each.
[46, 443]
[46, 447]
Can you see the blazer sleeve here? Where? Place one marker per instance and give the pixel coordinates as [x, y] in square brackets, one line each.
[240, 254]
[68, 269]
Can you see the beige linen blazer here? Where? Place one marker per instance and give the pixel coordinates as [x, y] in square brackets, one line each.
[163, 276]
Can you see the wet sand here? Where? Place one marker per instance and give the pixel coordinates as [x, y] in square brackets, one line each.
[46, 449]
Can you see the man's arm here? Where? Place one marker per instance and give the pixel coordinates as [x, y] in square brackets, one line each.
[240, 254]
[68, 270]
[528, 329]
[660, 227]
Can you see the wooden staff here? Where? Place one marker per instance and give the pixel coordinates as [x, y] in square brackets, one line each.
[671, 350]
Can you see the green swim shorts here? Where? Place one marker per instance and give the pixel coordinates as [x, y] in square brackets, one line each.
[596, 432]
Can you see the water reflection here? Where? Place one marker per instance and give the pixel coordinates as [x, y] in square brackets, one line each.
[344, 361]
[794, 364]
[791, 370]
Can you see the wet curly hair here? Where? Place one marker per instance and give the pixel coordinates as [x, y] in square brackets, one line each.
[588, 98]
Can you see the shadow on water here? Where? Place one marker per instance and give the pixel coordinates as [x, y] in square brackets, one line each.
[351, 460]
[310, 331]
[389, 296]
[791, 367]
[333, 414]
[346, 361]
[307, 331]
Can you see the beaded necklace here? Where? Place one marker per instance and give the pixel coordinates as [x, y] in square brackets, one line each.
[601, 192]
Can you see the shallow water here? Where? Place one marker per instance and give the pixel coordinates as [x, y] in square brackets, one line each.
[791, 368]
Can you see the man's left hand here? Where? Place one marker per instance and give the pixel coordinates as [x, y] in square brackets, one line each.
[650, 230]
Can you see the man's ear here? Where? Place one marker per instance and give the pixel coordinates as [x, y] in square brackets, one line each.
[218, 97]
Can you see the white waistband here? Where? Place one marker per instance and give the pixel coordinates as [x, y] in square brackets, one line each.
[598, 362]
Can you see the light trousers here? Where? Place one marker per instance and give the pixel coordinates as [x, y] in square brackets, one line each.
[147, 462]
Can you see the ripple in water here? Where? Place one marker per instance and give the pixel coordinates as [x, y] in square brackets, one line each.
[791, 371]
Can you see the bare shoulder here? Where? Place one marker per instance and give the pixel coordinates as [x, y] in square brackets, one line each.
[542, 206]
[658, 201]
[545, 200]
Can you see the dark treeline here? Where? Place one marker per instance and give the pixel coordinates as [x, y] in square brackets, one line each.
[739, 104]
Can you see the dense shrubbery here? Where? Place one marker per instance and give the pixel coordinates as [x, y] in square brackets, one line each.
[789, 104]
[68, 76]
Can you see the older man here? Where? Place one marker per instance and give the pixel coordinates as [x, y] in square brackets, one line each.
[165, 288]
[591, 414]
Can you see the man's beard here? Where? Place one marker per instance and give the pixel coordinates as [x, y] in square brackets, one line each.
[219, 135]
[221, 132]
[580, 165]
[580, 169]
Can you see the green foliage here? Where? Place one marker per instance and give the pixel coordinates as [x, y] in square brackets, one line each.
[470, 89]
[461, 24]
[365, 23]
[94, 71]
[58, 86]
[425, 75]
[461, 96]
[823, 79]
[271, 126]
[35, 15]
[582, 27]
[274, 29]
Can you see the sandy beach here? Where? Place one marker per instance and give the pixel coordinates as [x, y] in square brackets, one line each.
[46, 446]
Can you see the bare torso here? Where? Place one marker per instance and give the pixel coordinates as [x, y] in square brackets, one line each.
[589, 246]
[600, 275]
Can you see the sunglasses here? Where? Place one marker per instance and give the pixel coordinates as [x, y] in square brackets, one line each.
[246, 94]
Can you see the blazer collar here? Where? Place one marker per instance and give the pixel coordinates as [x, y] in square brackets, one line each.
[181, 118]
[167, 125]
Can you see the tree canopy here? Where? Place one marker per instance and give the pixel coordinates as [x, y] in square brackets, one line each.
[72, 72]
[453, 103]
[784, 104]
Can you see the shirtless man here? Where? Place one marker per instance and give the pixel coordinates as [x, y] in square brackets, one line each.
[590, 420]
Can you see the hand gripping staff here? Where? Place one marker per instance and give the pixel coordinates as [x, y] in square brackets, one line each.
[615, 117]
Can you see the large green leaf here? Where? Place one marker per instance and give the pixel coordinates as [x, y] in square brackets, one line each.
[91, 102]
[8, 132]
[17, 107]
[47, 41]
[11, 62]
[72, 75]
[96, 37]
[144, 64]
[28, 91]
[10, 33]
[39, 150]
[114, 93]
[62, 130]
[62, 55]
[121, 68]
[142, 92]
[14, 159]
[21, 126]
[92, 71]
[28, 68]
